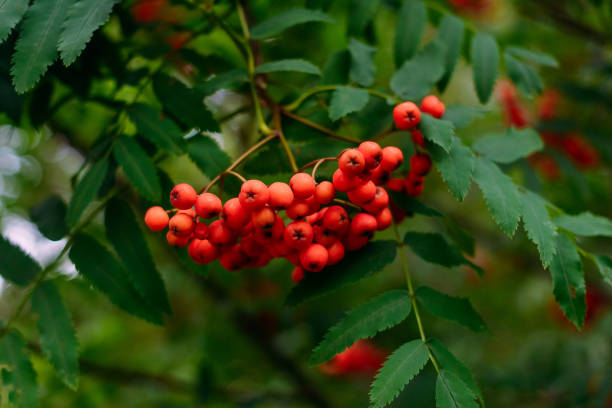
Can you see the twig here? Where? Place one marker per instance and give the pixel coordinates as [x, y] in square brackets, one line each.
[318, 127]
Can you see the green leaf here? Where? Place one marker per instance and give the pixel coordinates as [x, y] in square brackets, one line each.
[456, 167]
[460, 236]
[11, 13]
[57, 336]
[457, 309]
[233, 79]
[280, 22]
[36, 48]
[293, 65]
[183, 103]
[399, 369]
[568, 281]
[604, 264]
[162, 132]
[461, 115]
[362, 62]
[450, 33]
[417, 76]
[50, 218]
[438, 131]
[540, 229]
[500, 193]
[485, 62]
[360, 264]
[84, 18]
[15, 265]
[138, 167]
[537, 57]
[85, 191]
[345, 100]
[449, 363]
[433, 248]
[381, 313]
[585, 224]
[100, 267]
[412, 205]
[524, 76]
[18, 375]
[336, 70]
[514, 144]
[361, 13]
[207, 155]
[127, 239]
[409, 30]
[451, 392]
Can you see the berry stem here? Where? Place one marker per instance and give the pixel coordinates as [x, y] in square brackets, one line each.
[346, 203]
[320, 162]
[312, 163]
[318, 127]
[281, 136]
[326, 88]
[417, 315]
[237, 175]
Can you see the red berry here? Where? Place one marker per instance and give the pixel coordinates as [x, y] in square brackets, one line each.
[352, 162]
[280, 249]
[380, 201]
[156, 218]
[298, 234]
[392, 158]
[302, 184]
[281, 195]
[354, 242]
[234, 258]
[202, 251]
[298, 209]
[363, 194]
[414, 184]
[267, 236]
[364, 225]
[314, 258]
[263, 218]
[406, 115]
[183, 196]
[380, 176]
[297, 274]
[294, 258]
[177, 241]
[372, 154]
[181, 225]
[383, 219]
[396, 184]
[147, 11]
[344, 183]
[324, 236]
[335, 253]
[200, 231]
[325, 192]
[208, 205]
[420, 164]
[234, 214]
[253, 195]
[251, 247]
[417, 138]
[220, 234]
[336, 218]
[432, 105]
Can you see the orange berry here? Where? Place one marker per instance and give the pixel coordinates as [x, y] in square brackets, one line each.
[183, 196]
[156, 218]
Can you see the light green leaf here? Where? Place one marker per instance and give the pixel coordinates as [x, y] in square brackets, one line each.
[381, 313]
[568, 281]
[84, 18]
[362, 62]
[456, 166]
[36, 48]
[585, 224]
[409, 30]
[604, 264]
[450, 33]
[207, 155]
[19, 379]
[294, 65]
[100, 267]
[461, 115]
[514, 144]
[185, 104]
[138, 167]
[162, 132]
[15, 265]
[449, 363]
[280, 22]
[485, 62]
[360, 264]
[127, 239]
[537, 57]
[345, 100]
[85, 191]
[11, 13]
[524, 76]
[50, 217]
[412, 205]
[417, 76]
[57, 337]
[451, 392]
[399, 369]
[438, 131]
[457, 309]
[500, 193]
[433, 248]
[540, 229]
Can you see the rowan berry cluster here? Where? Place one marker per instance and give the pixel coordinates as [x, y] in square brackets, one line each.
[315, 231]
